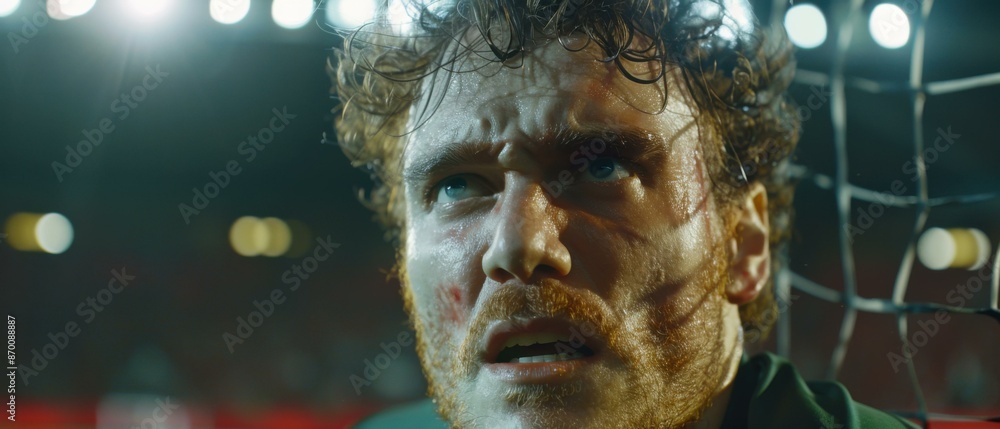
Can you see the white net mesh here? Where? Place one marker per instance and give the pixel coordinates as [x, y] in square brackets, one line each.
[846, 14]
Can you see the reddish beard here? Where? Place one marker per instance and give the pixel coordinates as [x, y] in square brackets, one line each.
[667, 361]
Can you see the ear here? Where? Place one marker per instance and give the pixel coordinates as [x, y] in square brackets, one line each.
[750, 267]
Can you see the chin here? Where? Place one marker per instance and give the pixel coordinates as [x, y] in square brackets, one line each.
[568, 417]
[600, 397]
[533, 410]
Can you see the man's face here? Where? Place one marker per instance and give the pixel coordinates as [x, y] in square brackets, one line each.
[565, 262]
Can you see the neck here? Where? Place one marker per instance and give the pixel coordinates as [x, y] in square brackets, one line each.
[713, 416]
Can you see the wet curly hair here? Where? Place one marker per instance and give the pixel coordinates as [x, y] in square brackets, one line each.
[735, 71]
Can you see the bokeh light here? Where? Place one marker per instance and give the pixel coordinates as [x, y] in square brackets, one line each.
[75, 8]
[253, 236]
[292, 14]
[54, 233]
[35, 232]
[8, 7]
[351, 13]
[735, 16]
[806, 25]
[248, 236]
[279, 237]
[940, 248]
[66, 9]
[148, 8]
[229, 11]
[889, 26]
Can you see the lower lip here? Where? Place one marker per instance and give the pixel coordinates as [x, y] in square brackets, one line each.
[538, 372]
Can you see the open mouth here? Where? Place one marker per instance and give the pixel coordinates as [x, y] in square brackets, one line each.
[541, 347]
[540, 351]
[539, 341]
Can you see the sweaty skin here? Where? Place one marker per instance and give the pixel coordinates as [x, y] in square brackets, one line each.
[508, 219]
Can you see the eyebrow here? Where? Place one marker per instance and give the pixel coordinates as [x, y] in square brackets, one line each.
[631, 143]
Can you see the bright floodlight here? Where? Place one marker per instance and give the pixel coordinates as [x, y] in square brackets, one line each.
[36, 232]
[735, 15]
[292, 14]
[229, 11]
[279, 237]
[252, 236]
[8, 7]
[66, 9]
[889, 25]
[54, 233]
[54, 9]
[19, 231]
[76, 7]
[249, 236]
[940, 248]
[805, 25]
[149, 8]
[351, 13]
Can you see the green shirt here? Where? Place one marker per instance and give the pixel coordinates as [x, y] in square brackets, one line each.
[767, 393]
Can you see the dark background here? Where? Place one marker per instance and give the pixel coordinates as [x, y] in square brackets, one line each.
[163, 334]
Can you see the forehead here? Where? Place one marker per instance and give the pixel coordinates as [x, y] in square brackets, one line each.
[549, 89]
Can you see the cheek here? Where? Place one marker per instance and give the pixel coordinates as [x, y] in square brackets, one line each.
[690, 195]
[692, 202]
[682, 228]
[449, 301]
[442, 303]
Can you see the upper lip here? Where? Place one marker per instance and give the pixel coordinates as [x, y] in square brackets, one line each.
[499, 332]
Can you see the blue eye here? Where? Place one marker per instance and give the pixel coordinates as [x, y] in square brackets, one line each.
[460, 187]
[605, 169]
[454, 187]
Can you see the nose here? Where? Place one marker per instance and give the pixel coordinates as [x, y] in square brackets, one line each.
[527, 240]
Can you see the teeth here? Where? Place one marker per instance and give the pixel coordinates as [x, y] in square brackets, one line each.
[539, 338]
[548, 358]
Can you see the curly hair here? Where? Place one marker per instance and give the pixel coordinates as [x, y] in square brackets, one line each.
[735, 71]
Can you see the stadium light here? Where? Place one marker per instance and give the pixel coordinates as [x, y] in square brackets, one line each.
[8, 7]
[229, 11]
[735, 16]
[350, 13]
[54, 233]
[75, 8]
[148, 8]
[292, 14]
[36, 232]
[66, 9]
[889, 26]
[806, 26]
[940, 248]
[249, 236]
[252, 236]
